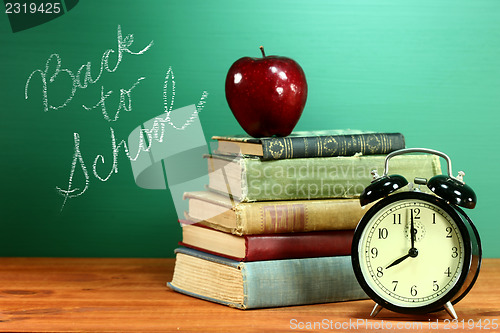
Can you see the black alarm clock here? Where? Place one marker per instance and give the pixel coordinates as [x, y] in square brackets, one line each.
[416, 252]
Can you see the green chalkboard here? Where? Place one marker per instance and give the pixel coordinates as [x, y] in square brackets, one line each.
[76, 84]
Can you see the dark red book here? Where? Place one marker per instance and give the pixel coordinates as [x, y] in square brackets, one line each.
[267, 246]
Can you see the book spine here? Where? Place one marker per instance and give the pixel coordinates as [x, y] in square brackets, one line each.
[290, 246]
[299, 281]
[299, 245]
[321, 178]
[276, 148]
[268, 217]
[274, 283]
[185, 273]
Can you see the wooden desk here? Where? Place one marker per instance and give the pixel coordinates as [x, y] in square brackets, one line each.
[57, 294]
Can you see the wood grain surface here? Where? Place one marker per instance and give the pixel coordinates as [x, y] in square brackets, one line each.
[130, 295]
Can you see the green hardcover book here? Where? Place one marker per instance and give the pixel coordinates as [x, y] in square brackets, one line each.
[307, 144]
[251, 179]
[263, 284]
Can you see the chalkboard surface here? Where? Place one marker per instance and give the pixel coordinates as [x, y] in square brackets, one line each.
[75, 84]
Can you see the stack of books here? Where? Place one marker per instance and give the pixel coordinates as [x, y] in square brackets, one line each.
[275, 225]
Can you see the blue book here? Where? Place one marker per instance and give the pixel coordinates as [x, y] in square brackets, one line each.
[261, 284]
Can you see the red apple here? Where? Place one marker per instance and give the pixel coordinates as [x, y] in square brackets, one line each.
[266, 95]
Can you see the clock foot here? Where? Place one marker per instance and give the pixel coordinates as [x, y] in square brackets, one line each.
[376, 310]
[451, 311]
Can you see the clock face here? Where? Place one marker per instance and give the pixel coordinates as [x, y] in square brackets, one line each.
[412, 253]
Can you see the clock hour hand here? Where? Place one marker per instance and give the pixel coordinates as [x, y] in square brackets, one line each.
[413, 252]
[397, 261]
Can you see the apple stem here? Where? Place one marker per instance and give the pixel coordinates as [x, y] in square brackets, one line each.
[262, 50]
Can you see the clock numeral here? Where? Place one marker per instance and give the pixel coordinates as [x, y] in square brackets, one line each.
[416, 212]
[449, 230]
[374, 252]
[413, 290]
[380, 272]
[454, 252]
[447, 272]
[435, 285]
[433, 218]
[395, 283]
[396, 218]
[382, 233]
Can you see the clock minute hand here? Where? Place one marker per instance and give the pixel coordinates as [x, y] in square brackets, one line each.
[412, 230]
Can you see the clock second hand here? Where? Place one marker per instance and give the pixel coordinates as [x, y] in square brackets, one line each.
[412, 252]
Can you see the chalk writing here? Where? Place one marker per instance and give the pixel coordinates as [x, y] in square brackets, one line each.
[79, 161]
[169, 76]
[77, 158]
[123, 47]
[121, 105]
[156, 133]
[80, 80]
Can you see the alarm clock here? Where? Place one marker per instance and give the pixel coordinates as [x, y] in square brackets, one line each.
[416, 252]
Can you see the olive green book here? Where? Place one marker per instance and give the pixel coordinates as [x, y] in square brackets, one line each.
[250, 179]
